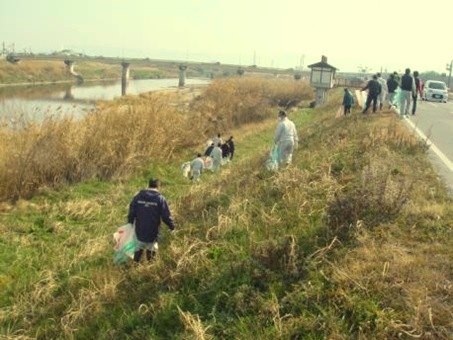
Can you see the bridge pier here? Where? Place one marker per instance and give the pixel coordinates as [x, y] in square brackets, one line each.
[182, 75]
[70, 67]
[124, 77]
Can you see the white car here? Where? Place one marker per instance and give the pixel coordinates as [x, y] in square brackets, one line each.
[435, 90]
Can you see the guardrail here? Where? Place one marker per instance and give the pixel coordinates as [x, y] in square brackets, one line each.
[345, 82]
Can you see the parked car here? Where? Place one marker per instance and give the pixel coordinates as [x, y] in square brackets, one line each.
[435, 90]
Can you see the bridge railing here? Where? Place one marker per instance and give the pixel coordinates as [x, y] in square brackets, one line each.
[347, 82]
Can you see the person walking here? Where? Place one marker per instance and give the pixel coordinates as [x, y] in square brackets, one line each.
[418, 90]
[196, 168]
[230, 143]
[348, 101]
[216, 155]
[208, 151]
[397, 76]
[384, 90]
[146, 210]
[407, 91]
[285, 138]
[374, 88]
[392, 86]
[225, 151]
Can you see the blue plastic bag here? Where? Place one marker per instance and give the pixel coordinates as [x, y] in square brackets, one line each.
[272, 161]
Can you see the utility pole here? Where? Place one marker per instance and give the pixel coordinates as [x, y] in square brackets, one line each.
[301, 62]
[449, 76]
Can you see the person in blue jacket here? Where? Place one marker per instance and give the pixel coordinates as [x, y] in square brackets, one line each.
[348, 101]
[146, 210]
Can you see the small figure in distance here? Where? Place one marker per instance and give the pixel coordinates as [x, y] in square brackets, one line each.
[348, 101]
[392, 86]
[146, 211]
[196, 168]
[374, 89]
[230, 143]
[286, 138]
[216, 155]
[407, 92]
[208, 151]
[225, 151]
[384, 90]
[418, 90]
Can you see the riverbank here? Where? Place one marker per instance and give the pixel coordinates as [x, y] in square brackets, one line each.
[352, 240]
[51, 70]
[109, 143]
[71, 81]
[32, 69]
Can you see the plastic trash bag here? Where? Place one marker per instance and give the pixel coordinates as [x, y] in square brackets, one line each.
[396, 102]
[207, 163]
[364, 96]
[185, 169]
[360, 102]
[125, 242]
[272, 161]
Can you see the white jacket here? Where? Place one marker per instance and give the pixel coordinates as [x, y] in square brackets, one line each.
[286, 131]
[197, 164]
[216, 154]
[383, 83]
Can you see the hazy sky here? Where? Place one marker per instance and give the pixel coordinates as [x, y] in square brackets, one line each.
[387, 34]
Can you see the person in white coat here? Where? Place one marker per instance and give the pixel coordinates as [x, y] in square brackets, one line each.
[384, 90]
[286, 138]
[196, 168]
[216, 155]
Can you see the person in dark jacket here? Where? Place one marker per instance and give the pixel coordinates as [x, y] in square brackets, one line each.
[348, 101]
[374, 89]
[418, 90]
[392, 85]
[208, 151]
[407, 92]
[225, 150]
[230, 143]
[146, 210]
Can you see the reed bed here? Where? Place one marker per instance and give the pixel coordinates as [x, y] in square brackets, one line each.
[121, 137]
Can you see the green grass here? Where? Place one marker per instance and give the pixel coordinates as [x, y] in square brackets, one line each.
[317, 250]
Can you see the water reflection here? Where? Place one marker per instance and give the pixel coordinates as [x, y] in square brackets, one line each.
[39, 101]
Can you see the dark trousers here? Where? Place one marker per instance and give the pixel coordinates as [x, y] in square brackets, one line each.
[414, 104]
[347, 109]
[370, 98]
[138, 254]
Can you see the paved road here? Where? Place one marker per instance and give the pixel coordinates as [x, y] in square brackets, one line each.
[434, 122]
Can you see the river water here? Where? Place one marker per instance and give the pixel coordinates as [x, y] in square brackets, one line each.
[36, 102]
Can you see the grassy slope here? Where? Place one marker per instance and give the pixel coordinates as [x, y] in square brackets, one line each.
[316, 250]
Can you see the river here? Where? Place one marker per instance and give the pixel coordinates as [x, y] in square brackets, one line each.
[36, 102]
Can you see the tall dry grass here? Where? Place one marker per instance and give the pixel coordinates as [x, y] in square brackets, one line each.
[120, 137]
[33, 71]
[243, 100]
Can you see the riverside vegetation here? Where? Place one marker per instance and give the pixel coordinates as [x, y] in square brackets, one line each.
[353, 241]
[49, 69]
[54, 70]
